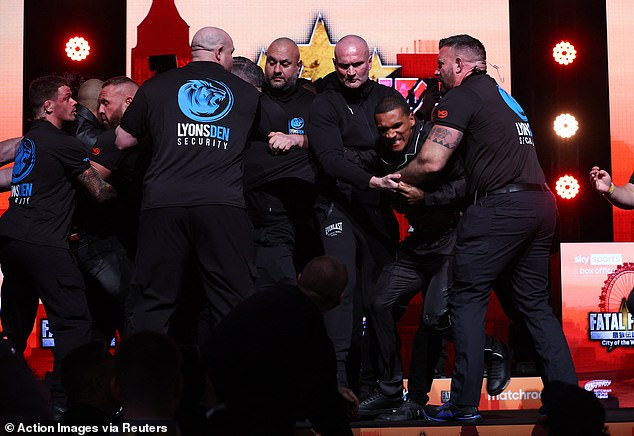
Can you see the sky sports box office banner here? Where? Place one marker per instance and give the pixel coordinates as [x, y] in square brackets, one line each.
[596, 281]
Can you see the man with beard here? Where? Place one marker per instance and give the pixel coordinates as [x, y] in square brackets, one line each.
[102, 238]
[280, 174]
[505, 235]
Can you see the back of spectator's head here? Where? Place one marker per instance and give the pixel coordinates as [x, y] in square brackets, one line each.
[572, 411]
[22, 397]
[148, 375]
[86, 375]
[248, 71]
[323, 280]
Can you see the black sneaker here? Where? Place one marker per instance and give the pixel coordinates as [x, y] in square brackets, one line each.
[498, 366]
[449, 412]
[408, 411]
[378, 404]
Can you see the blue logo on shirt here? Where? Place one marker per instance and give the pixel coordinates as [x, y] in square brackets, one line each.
[205, 100]
[24, 160]
[513, 104]
[297, 123]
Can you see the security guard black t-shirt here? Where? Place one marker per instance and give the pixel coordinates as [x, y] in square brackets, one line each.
[497, 148]
[42, 193]
[199, 118]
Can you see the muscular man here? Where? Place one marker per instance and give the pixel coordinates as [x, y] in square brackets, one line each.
[193, 213]
[357, 224]
[34, 253]
[505, 234]
[422, 264]
[280, 174]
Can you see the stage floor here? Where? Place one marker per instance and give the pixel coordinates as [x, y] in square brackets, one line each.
[620, 422]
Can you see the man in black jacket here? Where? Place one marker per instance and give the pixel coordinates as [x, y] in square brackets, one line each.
[356, 222]
[423, 263]
[87, 125]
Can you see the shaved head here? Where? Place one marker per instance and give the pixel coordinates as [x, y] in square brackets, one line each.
[323, 280]
[352, 43]
[88, 94]
[352, 61]
[214, 45]
[282, 65]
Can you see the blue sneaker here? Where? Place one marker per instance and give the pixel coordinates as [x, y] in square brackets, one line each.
[450, 412]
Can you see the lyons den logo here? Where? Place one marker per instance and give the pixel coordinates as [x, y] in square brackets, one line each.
[296, 126]
[205, 101]
[24, 160]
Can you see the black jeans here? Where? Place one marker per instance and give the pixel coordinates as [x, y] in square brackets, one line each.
[107, 270]
[422, 264]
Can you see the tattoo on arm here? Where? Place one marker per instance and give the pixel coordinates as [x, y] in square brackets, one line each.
[445, 137]
[95, 185]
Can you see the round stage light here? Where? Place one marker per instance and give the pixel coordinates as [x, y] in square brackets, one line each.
[566, 125]
[77, 48]
[567, 187]
[564, 53]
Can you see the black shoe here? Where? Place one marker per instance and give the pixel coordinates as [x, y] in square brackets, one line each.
[449, 412]
[498, 365]
[408, 411]
[378, 404]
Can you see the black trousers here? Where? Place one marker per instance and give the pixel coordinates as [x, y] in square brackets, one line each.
[422, 264]
[285, 231]
[215, 241]
[504, 236]
[107, 271]
[365, 241]
[33, 272]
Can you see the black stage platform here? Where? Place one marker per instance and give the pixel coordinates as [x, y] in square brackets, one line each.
[620, 422]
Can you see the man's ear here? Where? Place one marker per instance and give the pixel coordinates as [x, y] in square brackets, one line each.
[48, 106]
[218, 52]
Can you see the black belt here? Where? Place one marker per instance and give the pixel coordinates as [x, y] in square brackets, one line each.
[513, 187]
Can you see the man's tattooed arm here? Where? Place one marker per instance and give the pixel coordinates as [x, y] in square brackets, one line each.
[433, 155]
[95, 185]
[446, 137]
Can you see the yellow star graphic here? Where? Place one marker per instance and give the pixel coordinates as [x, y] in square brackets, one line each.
[318, 53]
[378, 70]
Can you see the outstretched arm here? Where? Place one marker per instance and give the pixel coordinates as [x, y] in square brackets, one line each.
[433, 156]
[8, 149]
[620, 196]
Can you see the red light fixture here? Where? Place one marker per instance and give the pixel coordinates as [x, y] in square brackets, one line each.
[564, 53]
[567, 187]
[77, 48]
